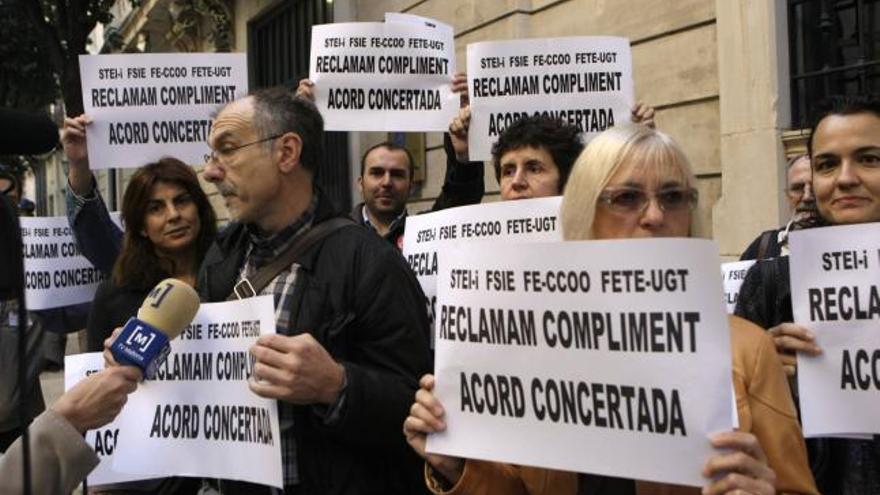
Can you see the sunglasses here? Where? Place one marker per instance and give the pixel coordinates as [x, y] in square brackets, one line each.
[634, 200]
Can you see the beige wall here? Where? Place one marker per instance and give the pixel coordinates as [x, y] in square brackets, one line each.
[753, 77]
[674, 63]
[711, 68]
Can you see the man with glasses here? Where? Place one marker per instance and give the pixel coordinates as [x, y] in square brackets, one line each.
[802, 208]
[352, 329]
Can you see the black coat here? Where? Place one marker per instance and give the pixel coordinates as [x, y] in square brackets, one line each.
[357, 297]
[772, 248]
[111, 308]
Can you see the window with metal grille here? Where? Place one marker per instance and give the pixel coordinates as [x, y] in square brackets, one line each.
[279, 40]
[833, 48]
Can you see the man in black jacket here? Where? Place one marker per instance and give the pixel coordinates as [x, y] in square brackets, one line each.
[802, 207]
[352, 328]
[386, 184]
[387, 169]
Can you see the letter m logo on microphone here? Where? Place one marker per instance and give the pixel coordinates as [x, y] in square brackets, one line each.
[139, 339]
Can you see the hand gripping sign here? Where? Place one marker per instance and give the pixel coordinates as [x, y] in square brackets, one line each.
[835, 293]
[607, 357]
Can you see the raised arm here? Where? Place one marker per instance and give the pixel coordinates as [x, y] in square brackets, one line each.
[97, 236]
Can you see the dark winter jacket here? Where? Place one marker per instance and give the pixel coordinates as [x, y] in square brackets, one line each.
[355, 294]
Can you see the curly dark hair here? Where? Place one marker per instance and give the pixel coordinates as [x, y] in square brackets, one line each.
[561, 140]
[138, 265]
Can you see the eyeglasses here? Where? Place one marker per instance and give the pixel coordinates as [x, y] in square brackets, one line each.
[633, 200]
[220, 156]
[798, 188]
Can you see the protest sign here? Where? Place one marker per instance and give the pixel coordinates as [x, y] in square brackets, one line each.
[835, 293]
[523, 221]
[375, 76]
[199, 408]
[585, 81]
[607, 357]
[732, 275]
[56, 274]
[104, 439]
[147, 106]
[418, 20]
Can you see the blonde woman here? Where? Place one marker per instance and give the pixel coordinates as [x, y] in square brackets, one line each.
[635, 182]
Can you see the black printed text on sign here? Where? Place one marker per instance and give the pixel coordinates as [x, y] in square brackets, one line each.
[56, 274]
[199, 407]
[835, 293]
[585, 81]
[148, 106]
[392, 76]
[528, 220]
[544, 348]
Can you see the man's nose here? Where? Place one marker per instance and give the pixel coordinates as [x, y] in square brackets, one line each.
[808, 196]
[214, 172]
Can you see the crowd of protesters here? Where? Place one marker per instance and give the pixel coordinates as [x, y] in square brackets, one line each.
[351, 361]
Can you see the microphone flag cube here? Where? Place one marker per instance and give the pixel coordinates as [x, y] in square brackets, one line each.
[141, 344]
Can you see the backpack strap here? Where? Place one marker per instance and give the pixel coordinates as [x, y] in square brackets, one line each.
[250, 287]
[765, 243]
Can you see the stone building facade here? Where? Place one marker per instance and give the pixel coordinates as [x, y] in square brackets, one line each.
[717, 71]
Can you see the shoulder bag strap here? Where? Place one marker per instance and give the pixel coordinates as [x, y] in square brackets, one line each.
[252, 286]
[765, 243]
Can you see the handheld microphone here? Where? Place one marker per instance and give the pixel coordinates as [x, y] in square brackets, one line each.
[165, 312]
[26, 133]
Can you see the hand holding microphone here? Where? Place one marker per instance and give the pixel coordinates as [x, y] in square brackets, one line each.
[97, 400]
[144, 340]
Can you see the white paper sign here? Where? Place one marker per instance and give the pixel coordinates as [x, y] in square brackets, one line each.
[147, 106]
[418, 20]
[104, 439]
[375, 76]
[608, 357]
[199, 409]
[585, 81]
[732, 275]
[56, 274]
[835, 292]
[507, 221]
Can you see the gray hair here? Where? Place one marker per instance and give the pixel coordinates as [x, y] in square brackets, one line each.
[277, 111]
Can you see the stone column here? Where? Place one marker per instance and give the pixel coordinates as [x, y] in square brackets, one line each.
[755, 108]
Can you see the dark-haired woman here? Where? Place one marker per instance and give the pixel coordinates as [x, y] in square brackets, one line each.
[844, 145]
[169, 226]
